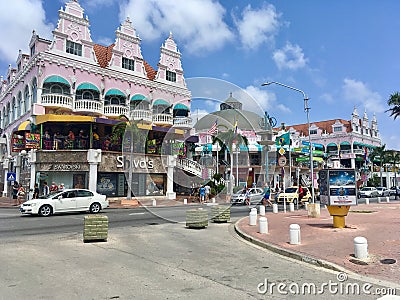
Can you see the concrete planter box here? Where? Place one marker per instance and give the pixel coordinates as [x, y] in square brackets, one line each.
[197, 218]
[220, 213]
[95, 228]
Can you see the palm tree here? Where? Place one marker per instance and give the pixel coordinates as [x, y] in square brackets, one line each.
[394, 103]
[226, 139]
[393, 158]
[133, 140]
[379, 154]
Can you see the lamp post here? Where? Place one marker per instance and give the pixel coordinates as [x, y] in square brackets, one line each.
[307, 110]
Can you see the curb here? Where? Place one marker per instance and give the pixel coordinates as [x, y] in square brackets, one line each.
[289, 253]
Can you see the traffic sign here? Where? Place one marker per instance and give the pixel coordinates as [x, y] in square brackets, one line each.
[281, 151]
[11, 176]
[282, 161]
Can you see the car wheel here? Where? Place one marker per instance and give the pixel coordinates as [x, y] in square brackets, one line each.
[295, 201]
[45, 210]
[95, 208]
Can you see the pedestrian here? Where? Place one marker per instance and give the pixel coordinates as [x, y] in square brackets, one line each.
[202, 193]
[247, 196]
[267, 194]
[46, 189]
[61, 187]
[53, 187]
[15, 190]
[20, 194]
[35, 191]
[301, 193]
[207, 192]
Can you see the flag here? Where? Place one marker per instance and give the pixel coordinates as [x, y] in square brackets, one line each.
[282, 140]
[213, 128]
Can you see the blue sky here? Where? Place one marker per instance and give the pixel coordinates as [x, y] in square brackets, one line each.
[341, 53]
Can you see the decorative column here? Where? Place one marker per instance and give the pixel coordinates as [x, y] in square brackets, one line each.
[171, 163]
[5, 168]
[32, 163]
[94, 158]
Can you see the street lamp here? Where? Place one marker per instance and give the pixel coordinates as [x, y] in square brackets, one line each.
[307, 110]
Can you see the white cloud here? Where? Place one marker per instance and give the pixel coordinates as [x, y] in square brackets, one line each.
[328, 98]
[17, 21]
[359, 93]
[258, 26]
[197, 24]
[290, 57]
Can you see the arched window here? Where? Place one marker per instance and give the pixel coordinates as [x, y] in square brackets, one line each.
[26, 99]
[20, 105]
[8, 114]
[4, 119]
[13, 110]
[34, 91]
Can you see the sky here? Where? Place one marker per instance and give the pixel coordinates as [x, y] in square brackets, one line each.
[341, 53]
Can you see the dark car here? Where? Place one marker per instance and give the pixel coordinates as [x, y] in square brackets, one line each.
[394, 191]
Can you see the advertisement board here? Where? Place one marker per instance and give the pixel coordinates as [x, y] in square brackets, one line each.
[338, 187]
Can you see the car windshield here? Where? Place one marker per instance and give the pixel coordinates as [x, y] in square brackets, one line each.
[291, 190]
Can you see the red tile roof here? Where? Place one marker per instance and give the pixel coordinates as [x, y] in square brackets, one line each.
[104, 54]
[325, 126]
[151, 73]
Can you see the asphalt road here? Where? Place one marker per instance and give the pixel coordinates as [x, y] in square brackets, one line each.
[162, 261]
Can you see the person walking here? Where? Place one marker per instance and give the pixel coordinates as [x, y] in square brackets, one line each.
[207, 189]
[46, 189]
[15, 188]
[21, 194]
[202, 193]
[35, 191]
[267, 195]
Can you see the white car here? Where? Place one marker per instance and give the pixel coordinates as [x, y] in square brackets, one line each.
[69, 200]
[383, 191]
[256, 195]
[368, 192]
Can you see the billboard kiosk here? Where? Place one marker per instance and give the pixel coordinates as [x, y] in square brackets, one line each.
[338, 192]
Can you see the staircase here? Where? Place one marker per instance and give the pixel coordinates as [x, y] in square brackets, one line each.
[194, 168]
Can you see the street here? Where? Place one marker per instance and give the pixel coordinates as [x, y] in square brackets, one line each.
[145, 258]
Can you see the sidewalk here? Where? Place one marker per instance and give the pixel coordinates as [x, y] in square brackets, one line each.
[333, 248]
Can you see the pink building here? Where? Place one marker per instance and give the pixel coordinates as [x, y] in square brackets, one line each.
[70, 83]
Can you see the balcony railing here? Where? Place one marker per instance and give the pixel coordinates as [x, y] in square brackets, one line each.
[182, 122]
[115, 110]
[141, 114]
[57, 100]
[190, 166]
[88, 106]
[163, 119]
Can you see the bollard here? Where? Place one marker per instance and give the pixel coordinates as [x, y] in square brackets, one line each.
[366, 201]
[306, 206]
[263, 225]
[253, 217]
[262, 210]
[360, 247]
[387, 199]
[184, 201]
[294, 234]
[379, 199]
[291, 206]
[154, 202]
[275, 208]
[213, 200]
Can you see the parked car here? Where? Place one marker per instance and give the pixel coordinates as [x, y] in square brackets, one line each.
[69, 200]
[383, 191]
[368, 192]
[291, 194]
[393, 190]
[256, 196]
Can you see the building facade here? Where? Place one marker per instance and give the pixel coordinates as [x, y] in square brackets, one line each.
[59, 105]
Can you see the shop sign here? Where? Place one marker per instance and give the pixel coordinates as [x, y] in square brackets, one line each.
[66, 167]
[32, 140]
[141, 163]
[17, 142]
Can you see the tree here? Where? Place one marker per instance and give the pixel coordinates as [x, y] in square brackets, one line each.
[379, 154]
[394, 158]
[226, 139]
[394, 104]
[133, 141]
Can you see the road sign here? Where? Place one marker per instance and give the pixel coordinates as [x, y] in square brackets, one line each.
[11, 176]
[281, 151]
[282, 161]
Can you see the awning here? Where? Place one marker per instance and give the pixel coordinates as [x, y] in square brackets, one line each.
[63, 118]
[87, 86]
[160, 102]
[251, 148]
[181, 106]
[139, 97]
[115, 92]
[56, 79]
[25, 125]
[331, 145]
[344, 143]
